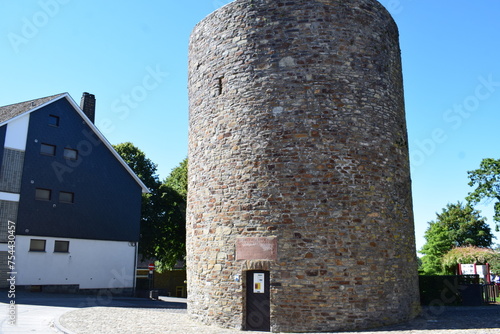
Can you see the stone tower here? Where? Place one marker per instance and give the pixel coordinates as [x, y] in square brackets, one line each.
[299, 209]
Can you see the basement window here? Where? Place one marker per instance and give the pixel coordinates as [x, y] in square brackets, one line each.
[42, 194]
[47, 149]
[37, 245]
[61, 246]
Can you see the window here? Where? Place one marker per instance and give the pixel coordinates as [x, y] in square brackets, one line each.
[47, 149]
[70, 154]
[42, 194]
[53, 120]
[220, 85]
[37, 245]
[61, 246]
[66, 197]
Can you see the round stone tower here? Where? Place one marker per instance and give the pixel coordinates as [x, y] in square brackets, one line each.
[299, 210]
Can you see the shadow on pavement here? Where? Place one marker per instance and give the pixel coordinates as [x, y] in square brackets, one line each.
[451, 318]
[431, 318]
[102, 299]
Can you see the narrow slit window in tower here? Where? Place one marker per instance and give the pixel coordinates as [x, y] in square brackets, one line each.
[219, 86]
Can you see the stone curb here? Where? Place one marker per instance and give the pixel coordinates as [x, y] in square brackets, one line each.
[61, 328]
[179, 323]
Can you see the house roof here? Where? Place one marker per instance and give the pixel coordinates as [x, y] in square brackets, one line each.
[12, 111]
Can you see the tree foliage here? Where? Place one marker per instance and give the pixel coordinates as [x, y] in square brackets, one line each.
[163, 234]
[177, 180]
[144, 168]
[438, 243]
[457, 225]
[174, 191]
[168, 244]
[486, 179]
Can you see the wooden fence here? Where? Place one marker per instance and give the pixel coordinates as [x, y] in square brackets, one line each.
[490, 293]
[465, 290]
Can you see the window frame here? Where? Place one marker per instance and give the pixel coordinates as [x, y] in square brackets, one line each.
[48, 145]
[54, 121]
[61, 242]
[67, 193]
[38, 249]
[39, 198]
[67, 149]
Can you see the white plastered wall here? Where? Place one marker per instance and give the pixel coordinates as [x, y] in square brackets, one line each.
[92, 264]
[17, 133]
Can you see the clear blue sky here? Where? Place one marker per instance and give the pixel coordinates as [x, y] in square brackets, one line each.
[133, 56]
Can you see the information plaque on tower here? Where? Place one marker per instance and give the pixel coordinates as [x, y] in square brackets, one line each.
[257, 248]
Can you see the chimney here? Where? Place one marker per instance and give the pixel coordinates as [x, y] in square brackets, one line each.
[87, 104]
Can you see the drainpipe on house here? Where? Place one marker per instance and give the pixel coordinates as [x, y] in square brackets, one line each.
[134, 287]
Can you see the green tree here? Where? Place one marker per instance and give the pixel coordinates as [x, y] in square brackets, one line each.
[144, 168]
[457, 225]
[486, 179]
[177, 180]
[438, 243]
[169, 242]
[174, 191]
[162, 219]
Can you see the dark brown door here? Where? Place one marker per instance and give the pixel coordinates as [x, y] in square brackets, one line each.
[258, 301]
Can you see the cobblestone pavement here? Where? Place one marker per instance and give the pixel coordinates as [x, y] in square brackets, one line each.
[111, 320]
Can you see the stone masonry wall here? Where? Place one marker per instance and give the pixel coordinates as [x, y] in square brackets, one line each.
[298, 132]
[8, 212]
[11, 171]
[4, 269]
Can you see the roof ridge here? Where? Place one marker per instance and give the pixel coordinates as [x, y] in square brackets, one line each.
[41, 98]
[12, 110]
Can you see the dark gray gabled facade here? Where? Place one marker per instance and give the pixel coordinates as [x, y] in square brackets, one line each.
[70, 196]
[106, 198]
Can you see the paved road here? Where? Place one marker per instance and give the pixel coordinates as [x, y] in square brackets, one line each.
[39, 312]
[31, 319]
[450, 320]
[48, 313]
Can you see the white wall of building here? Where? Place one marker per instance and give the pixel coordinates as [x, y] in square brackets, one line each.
[9, 197]
[93, 264]
[17, 133]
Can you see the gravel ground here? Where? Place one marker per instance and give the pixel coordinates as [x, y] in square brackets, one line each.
[111, 320]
